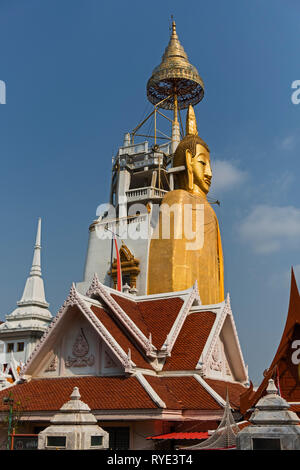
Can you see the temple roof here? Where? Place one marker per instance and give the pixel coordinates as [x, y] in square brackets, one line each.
[158, 343]
[152, 316]
[118, 392]
[282, 369]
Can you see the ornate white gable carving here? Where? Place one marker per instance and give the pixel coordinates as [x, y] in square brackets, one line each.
[218, 364]
[216, 361]
[75, 299]
[80, 351]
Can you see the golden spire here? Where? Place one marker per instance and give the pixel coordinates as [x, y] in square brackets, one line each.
[191, 123]
[175, 78]
[174, 50]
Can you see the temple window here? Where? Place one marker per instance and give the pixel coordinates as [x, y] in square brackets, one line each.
[96, 441]
[20, 347]
[10, 347]
[56, 441]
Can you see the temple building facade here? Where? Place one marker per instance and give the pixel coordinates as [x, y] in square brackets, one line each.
[145, 365]
[156, 351]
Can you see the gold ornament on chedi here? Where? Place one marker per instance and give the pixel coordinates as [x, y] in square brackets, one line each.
[175, 77]
[177, 262]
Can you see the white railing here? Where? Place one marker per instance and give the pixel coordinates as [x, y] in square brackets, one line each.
[145, 193]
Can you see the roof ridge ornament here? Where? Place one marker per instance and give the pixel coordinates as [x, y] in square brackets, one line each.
[129, 366]
[94, 285]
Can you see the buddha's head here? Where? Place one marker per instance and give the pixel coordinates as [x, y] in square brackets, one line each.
[193, 153]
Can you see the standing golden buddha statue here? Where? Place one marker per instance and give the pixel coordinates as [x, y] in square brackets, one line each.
[180, 255]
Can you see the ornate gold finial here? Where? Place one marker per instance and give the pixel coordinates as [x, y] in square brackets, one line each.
[174, 33]
[191, 123]
[175, 76]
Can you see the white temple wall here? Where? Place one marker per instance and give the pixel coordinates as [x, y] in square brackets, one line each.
[5, 356]
[98, 258]
[97, 261]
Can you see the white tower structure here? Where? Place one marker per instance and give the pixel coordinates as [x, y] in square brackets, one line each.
[27, 323]
[140, 180]
[142, 174]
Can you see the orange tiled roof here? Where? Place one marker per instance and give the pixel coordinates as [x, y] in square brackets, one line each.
[107, 393]
[119, 335]
[112, 393]
[191, 341]
[152, 316]
[183, 393]
[234, 390]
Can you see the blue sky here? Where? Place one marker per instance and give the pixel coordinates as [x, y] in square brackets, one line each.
[76, 74]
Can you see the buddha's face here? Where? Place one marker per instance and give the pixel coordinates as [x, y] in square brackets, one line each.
[201, 168]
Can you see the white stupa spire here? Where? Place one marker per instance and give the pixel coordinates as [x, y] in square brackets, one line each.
[27, 323]
[34, 291]
[36, 262]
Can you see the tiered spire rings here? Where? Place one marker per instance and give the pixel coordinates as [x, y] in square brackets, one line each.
[175, 82]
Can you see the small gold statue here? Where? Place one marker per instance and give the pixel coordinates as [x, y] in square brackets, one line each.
[190, 249]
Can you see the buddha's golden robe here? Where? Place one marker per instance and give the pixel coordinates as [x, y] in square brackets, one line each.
[173, 267]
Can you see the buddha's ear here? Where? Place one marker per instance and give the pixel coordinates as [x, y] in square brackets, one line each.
[190, 176]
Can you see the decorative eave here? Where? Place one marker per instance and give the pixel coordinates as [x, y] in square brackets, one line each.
[74, 299]
[98, 289]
